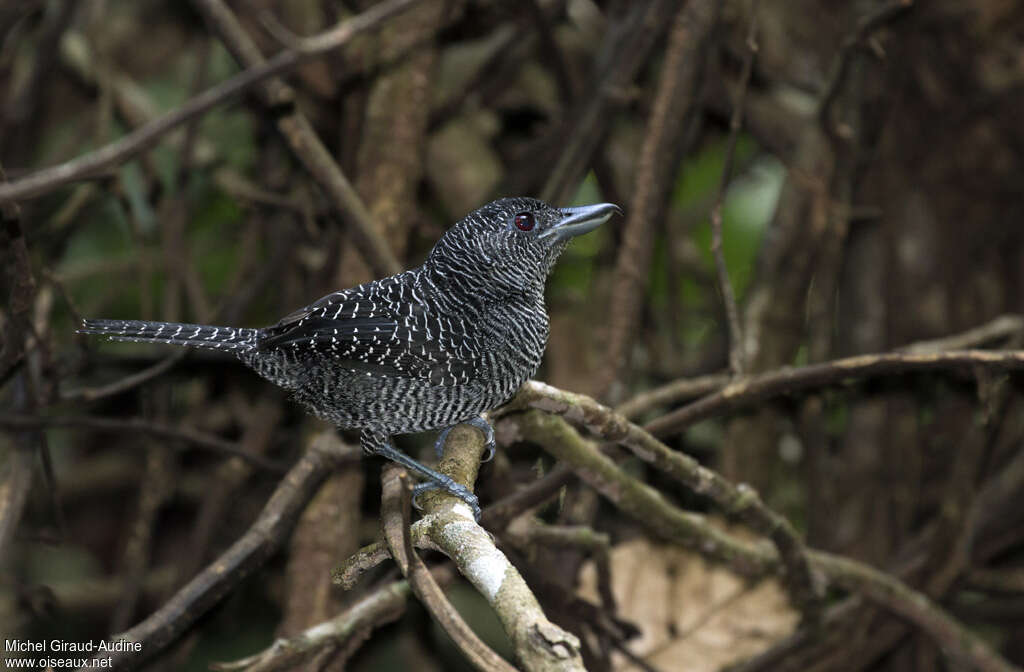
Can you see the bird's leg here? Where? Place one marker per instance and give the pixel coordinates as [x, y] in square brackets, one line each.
[380, 444]
[480, 423]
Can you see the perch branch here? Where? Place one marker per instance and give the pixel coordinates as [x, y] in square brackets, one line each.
[495, 516]
[397, 495]
[539, 643]
[448, 527]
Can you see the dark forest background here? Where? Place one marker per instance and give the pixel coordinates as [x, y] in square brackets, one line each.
[854, 170]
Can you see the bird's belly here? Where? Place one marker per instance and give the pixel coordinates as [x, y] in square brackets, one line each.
[355, 399]
[396, 405]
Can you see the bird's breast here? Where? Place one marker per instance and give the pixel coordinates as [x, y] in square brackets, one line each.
[515, 338]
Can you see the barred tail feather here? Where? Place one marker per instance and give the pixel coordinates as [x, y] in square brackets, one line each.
[195, 335]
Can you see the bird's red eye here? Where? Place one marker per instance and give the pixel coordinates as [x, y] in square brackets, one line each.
[524, 221]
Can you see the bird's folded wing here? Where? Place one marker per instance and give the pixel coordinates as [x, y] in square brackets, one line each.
[363, 334]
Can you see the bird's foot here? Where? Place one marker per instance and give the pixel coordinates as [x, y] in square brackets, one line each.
[452, 488]
[480, 423]
[380, 444]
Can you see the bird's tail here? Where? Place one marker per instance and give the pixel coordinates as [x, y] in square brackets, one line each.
[195, 335]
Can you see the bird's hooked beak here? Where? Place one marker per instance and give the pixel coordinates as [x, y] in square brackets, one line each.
[580, 220]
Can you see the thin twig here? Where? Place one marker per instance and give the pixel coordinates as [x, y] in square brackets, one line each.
[383, 605]
[999, 329]
[115, 153]
[670, 393]
[142, 426]
[737, 356]
[865, 27]
[683, 389]
[750, 389]
[739, 501]
[628, 49]
[671, 115]
[124, 384]
[539, 644]
[247, 554]
[296, 130]
[653, 511]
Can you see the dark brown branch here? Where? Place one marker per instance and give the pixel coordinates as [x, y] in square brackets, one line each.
[739, 501]
[397, 494]
[500, 513]
[748, 390]
[628, 47]
[155, 486]
[140, 425]
[551, 52]
[670, 393]
[865, 27]
[19, 116]
[389, 163]
[352, 626]
[495, 517]
[673, 107]
[998, 329]
[891, 593]
[115, 153]
[737, 358]
[653, 511]
[260, 541]
[20, 281]
[14, 491]
[298, 133]
[126, 383]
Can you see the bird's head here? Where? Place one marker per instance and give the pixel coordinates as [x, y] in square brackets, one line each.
[511, 244]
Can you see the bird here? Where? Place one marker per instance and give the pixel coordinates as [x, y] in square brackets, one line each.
[426, 349]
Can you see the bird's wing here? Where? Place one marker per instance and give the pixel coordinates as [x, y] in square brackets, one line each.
[373, 335]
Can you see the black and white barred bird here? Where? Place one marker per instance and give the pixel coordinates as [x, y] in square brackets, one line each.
[425, 349]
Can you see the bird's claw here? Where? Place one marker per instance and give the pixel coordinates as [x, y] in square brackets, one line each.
[489, 443]
[455, 489]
